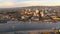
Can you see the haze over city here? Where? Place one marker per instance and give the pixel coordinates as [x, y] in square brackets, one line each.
[24, 3]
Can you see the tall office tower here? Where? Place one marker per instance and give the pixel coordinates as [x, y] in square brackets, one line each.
[54, 12]
[41, 14]
[36, 12]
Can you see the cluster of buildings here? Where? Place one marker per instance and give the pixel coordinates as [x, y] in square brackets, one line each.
[46, 14]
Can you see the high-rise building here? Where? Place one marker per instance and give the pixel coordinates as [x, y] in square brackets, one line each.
[42, 14]
[36, 12]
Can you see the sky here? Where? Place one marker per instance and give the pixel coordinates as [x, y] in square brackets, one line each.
[24, 3]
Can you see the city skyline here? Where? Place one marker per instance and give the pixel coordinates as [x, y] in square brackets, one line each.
[24, 3]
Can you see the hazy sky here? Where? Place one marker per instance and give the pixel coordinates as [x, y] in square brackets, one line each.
[23, 3]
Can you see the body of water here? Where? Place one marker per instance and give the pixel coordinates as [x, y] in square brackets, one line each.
[22, 26]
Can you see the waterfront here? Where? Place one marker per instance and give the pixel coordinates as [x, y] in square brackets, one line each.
[16, 26]
[27, 20]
